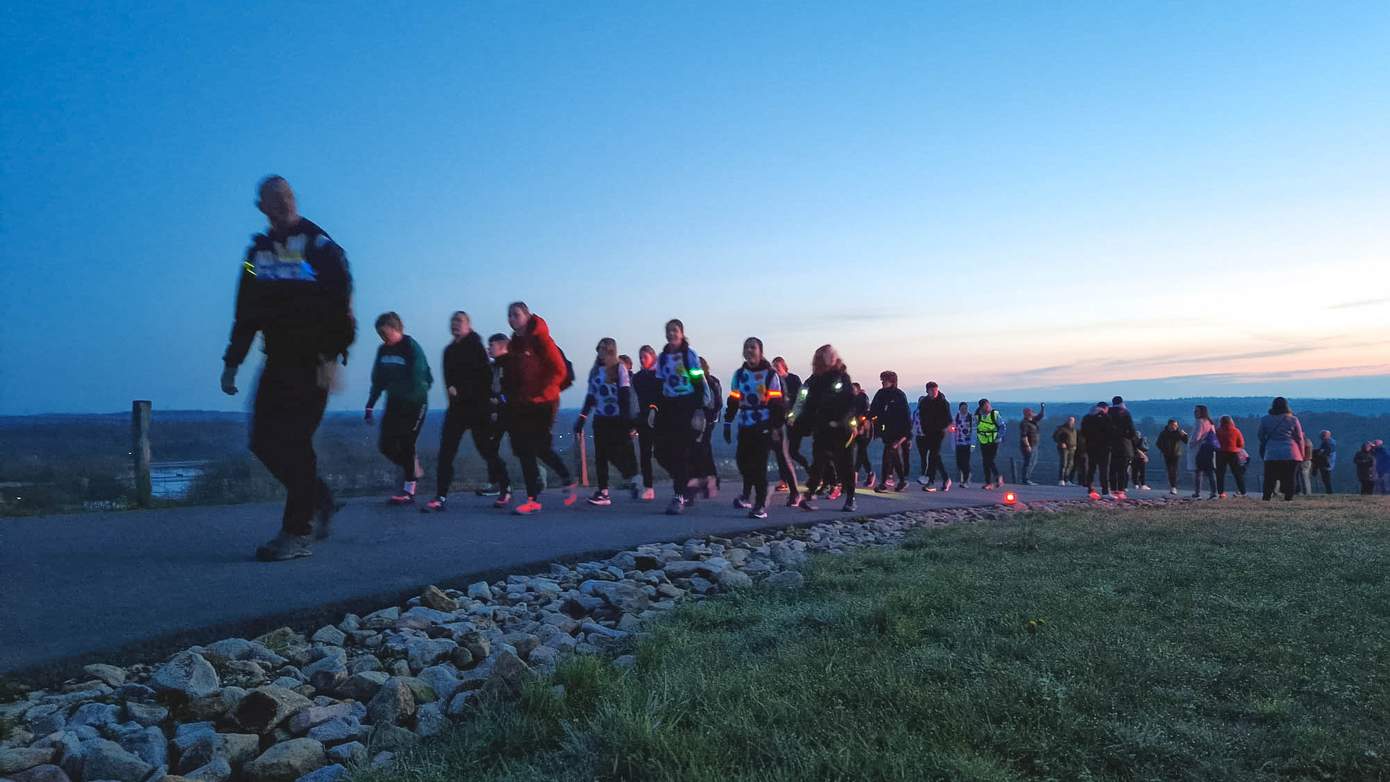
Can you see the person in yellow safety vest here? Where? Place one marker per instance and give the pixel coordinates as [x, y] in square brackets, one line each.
[989, 432]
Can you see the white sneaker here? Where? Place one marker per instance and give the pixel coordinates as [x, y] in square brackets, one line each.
[1061, 483]
[922, 479]
[1173, 491]
[1145, 487]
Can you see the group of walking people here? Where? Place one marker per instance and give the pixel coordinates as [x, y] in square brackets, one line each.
[296, 291]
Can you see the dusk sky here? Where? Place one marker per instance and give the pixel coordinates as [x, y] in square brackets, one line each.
[1022, 200]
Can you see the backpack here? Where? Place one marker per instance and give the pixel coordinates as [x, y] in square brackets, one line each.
[569, 370]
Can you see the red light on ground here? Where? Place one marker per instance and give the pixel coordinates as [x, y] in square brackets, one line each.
[1009, 498]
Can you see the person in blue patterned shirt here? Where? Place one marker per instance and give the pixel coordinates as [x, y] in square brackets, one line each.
[611, 401]
[757, 403]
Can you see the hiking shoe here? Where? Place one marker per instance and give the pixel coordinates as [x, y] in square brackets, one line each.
[568, 495]
[503, 500]
[850, 506]
[600, 498]
[401, 499]
[284, 546]
[742, 504]
[677, 506]
[834, 494]
[527, 508]
[490, 490]
[433, 506]
[648, 494]
[782, 487]
[758, 513]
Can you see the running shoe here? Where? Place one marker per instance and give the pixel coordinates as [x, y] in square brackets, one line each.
[758, 513]
[850, 506]
[882, 488]
[1145, 487]
[648, 494]
[742, 503]
[1173, 491]
[434, 506]
[782, 487]
[527, 508]
[834, 494]
[600, 498]
[929, 488]
[284, 546]
[923, 479]
[503, 500]
[947, 486]
[401, 499]
[490, 490]
[568, 495]
[1095, 495]
[677, 506]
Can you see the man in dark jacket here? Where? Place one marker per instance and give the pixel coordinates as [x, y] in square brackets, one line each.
[934, 414]
[647, 386]
[1122, 435]
[791, 441]
[1095, 430]
[296, 291]
[892, 421]
[1064, 436]
[1170, 443]
[468, 383]
[1029, 438]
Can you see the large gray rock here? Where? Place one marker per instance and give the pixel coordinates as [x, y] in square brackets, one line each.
[301, 722]
[443, 679]
[424, 652]
[330, 635]
[286, 762]
[480, 591]
[619, 594]
[787, 579]
[108, 674]
[430, 720]
[219, 769]
[508, 676]
[393, 703]
[684, 568]
[328, 672]
[354, 753]
[97, 715]
[264, 708]
[363, 686]
[190, 733]
[421, 618]
[333, 773]
[731, 579]
[148, 744]
[44, 773]
[390, 738]
[102, 759]
[186, 675]
[14, 759]
[337, 731]
[229, 649]
[145, 713]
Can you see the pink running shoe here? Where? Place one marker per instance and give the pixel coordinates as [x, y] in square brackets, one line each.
[527, 508]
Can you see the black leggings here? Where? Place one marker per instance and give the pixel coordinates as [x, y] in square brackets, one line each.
[400, 428]
[830, 457]
[1280, 471]
[894, 461]
[613, 445]
[1119, 468]
[861, 457]
[987, 453]
[646, 440]
[676, 440]
[963, 462]
[786, 468]
[1229, 460]
[1098, 461]
[486, 437]
[1170, 463]
[1368, 487]
[530, 430]
[754, 444]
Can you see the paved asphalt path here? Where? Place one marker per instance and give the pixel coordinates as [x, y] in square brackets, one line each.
[75, 587]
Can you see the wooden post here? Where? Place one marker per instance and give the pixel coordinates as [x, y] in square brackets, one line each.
[581, 442]
[140, 450]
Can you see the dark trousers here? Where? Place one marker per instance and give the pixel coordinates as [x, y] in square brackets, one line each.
[786, 468]
[1099, 462]
[894, 462]
[922, 458]
[400, 429]
[1326, 475]
[963, 463]
[1170, 463]
[754, 444]
[530, 431]
[794, 450]
[988, 451]
[1226, 460]
[288, 408]
[613, 445]
[1079, 467]
[1280, 471]
[830, 457]
[487, 438]
[861, 457]
[646, 441]
[1065, 463]
[702, 458]
[1139, 471]
[935, 465]
[676, 440]
[1368, 486]
[1120, 457]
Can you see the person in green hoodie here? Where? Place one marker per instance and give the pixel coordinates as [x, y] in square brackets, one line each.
[403, 373]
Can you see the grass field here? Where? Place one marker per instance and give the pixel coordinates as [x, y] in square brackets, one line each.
[1234, 640]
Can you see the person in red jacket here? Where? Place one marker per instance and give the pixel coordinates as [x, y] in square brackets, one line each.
[535, 374]
[1231, 454]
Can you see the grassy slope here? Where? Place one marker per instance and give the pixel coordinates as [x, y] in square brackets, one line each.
[1221, 641]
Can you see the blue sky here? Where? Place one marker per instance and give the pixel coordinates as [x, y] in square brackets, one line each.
[1015, 199]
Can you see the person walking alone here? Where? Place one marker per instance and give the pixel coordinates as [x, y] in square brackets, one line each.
[295, 290]
[403, 373]
[1281, 448]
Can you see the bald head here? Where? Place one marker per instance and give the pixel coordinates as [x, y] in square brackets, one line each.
[275, 199]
